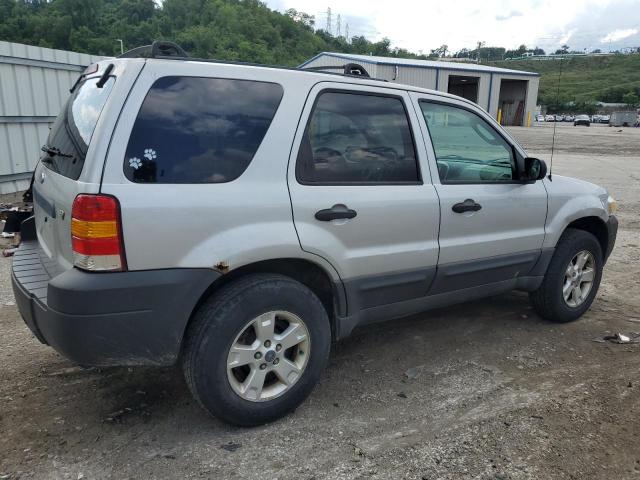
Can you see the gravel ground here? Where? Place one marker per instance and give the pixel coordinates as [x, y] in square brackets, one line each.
[485, 390]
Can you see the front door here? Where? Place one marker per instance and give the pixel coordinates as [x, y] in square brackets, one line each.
[492, 225]
[361, 192]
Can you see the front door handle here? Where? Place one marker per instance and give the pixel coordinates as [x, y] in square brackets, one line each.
[469, 205]
[336, 212]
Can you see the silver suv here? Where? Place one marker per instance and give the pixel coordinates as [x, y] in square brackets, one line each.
[237, 219]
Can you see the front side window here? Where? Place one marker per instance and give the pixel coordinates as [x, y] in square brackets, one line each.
[467, 148]
[355, 138]
[199, 130]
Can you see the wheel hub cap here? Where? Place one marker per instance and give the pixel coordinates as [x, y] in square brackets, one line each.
[578, 279]
[268, 356]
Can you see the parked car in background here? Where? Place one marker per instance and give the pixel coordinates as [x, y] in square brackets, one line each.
[362, 222]
[550, 118]
[623, 119]
[559, 118]
[582, 120]
[569, 118]
[604, 119]
[539, 118]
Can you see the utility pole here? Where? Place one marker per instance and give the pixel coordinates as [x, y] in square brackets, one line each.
[121, 45]
[329, 20]
[339, 26]
[480, 45]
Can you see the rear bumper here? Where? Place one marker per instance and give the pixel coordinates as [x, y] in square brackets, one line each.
[612, 233]
[104, 319]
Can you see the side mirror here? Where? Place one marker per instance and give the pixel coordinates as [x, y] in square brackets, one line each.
[534, 169]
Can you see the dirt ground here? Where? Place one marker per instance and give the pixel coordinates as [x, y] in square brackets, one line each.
[492, 391]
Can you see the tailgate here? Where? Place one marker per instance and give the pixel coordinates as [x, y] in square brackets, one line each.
[73, 155]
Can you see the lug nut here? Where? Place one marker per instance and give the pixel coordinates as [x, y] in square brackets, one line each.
[257, 356]
[276, 361]
[263, 366]
[278, 347]
[267, 343]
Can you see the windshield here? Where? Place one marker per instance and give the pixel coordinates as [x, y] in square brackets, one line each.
[72, 131]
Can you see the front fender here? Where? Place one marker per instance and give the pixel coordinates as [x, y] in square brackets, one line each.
[569, 200]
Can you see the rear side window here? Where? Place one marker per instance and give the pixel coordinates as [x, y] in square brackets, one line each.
[199, 130]
[357, 139]
[71, 133]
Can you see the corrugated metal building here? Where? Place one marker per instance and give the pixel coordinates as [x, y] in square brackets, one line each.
[34, 84]
[508, 95]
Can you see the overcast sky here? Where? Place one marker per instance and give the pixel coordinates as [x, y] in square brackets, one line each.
[424, 25]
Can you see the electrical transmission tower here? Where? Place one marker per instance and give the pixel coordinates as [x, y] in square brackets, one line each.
[346, 32]
[339, 26]
[329, 20]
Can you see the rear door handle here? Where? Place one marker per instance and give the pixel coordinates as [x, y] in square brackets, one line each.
[336, 212]
[469, 205]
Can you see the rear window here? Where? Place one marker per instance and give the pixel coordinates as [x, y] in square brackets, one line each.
[71, 133]
[199, 130]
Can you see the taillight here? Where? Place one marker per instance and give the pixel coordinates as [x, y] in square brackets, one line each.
[96, 233]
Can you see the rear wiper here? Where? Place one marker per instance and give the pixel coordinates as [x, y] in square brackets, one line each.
[54, 151]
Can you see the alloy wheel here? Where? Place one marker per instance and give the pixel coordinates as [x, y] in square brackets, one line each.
[578, 278]
[268, 356]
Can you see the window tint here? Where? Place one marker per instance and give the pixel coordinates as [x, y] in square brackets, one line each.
[199, 130]
[353, 138]
[467, 148]
[72, 131]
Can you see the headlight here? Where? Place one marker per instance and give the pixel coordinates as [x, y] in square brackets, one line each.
[612, 205]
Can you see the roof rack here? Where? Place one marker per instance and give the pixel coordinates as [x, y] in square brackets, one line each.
[158, 49]
[350, 69]
[171, 51]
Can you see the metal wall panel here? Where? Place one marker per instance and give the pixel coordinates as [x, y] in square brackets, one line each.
[34, 84]
[419, 77]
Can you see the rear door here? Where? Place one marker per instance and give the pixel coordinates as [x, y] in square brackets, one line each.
[492, 225]
[362, 194]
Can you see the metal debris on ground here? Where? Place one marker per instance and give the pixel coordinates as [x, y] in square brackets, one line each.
[619, 338]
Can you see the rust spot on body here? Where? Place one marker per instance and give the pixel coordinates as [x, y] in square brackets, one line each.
[222, 266]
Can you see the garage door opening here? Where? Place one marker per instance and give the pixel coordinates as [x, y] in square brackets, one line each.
[512, 102]
[463, 86]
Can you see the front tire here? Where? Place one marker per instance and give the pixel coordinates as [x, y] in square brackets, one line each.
[572, 279]
[256, 348]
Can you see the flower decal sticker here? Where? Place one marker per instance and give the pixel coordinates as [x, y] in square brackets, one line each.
[149, 154]
[135, 163]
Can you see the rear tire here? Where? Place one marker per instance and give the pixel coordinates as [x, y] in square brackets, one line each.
[225, 321]
[549, 300]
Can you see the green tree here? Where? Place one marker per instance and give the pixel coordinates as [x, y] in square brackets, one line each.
[631, 99]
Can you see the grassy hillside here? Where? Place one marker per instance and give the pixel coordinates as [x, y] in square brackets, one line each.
[584, 79]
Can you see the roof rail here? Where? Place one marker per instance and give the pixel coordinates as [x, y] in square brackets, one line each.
[158, 49]
[349, 69]
[171, 51]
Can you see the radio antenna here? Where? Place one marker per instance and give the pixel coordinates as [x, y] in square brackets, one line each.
[553, 141]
